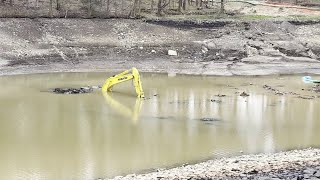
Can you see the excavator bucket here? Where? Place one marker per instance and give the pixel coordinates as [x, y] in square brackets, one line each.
[122, 77]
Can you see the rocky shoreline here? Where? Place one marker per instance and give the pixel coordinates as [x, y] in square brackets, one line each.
[293, 165]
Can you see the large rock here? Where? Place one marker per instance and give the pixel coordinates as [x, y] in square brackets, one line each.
[172, 53]
[317, 174]
[3, 62]
[251, 51]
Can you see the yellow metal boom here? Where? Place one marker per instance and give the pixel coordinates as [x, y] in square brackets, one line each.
[122, 77]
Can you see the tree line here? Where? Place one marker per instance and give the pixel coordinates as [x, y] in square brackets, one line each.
[107, 8]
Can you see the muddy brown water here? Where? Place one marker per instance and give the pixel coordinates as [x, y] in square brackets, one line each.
[182, 120]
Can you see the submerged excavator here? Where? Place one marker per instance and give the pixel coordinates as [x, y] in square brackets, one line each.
[122, 77]
[127, 75]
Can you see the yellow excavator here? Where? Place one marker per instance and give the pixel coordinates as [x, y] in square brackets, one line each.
[122, 77]
[121, 108]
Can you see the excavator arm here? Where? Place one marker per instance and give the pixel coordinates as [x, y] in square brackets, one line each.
[122, 77]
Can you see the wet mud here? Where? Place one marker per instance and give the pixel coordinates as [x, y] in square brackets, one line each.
[80, 90]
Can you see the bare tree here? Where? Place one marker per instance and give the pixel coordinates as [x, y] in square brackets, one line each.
[139, 7]
[58, 7]
[222, 7]
[179, 5]
[66, 10]
[50, 8]
[152, 5]
[108, 8]
[184, 5]
[122, 5]
[135, 10]
[161, 5]
[115, 5]
[89, 8]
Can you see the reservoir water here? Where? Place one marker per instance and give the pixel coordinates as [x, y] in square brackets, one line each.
[183, 119]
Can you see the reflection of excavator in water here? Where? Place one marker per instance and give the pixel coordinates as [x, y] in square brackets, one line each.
[119, 78]
[122, 77]
[128, 112]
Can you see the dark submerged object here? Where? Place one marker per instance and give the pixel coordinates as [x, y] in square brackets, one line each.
[244, 94]
[72, 90]
[208, 119]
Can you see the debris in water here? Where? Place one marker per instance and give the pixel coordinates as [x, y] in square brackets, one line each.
[221, 95]
[215, 100]
[168, 117]
[306, 97]
[267, 87]
[73, 90]
[244, 94]
[278, 92]
[209, 119]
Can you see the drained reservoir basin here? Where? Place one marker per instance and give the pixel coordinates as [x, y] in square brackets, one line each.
[183, 119]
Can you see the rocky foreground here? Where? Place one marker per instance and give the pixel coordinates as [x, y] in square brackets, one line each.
[296, 164]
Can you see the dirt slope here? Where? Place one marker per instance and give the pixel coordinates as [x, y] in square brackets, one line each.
[214, 48]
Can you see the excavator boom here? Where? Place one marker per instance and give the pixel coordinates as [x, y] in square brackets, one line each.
[122, 77]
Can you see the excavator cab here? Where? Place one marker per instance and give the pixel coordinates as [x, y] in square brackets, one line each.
[122, 77]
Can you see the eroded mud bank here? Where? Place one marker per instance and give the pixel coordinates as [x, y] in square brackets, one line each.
[207, 48]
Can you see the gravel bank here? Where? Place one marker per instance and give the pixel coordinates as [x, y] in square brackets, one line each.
[296, 164]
